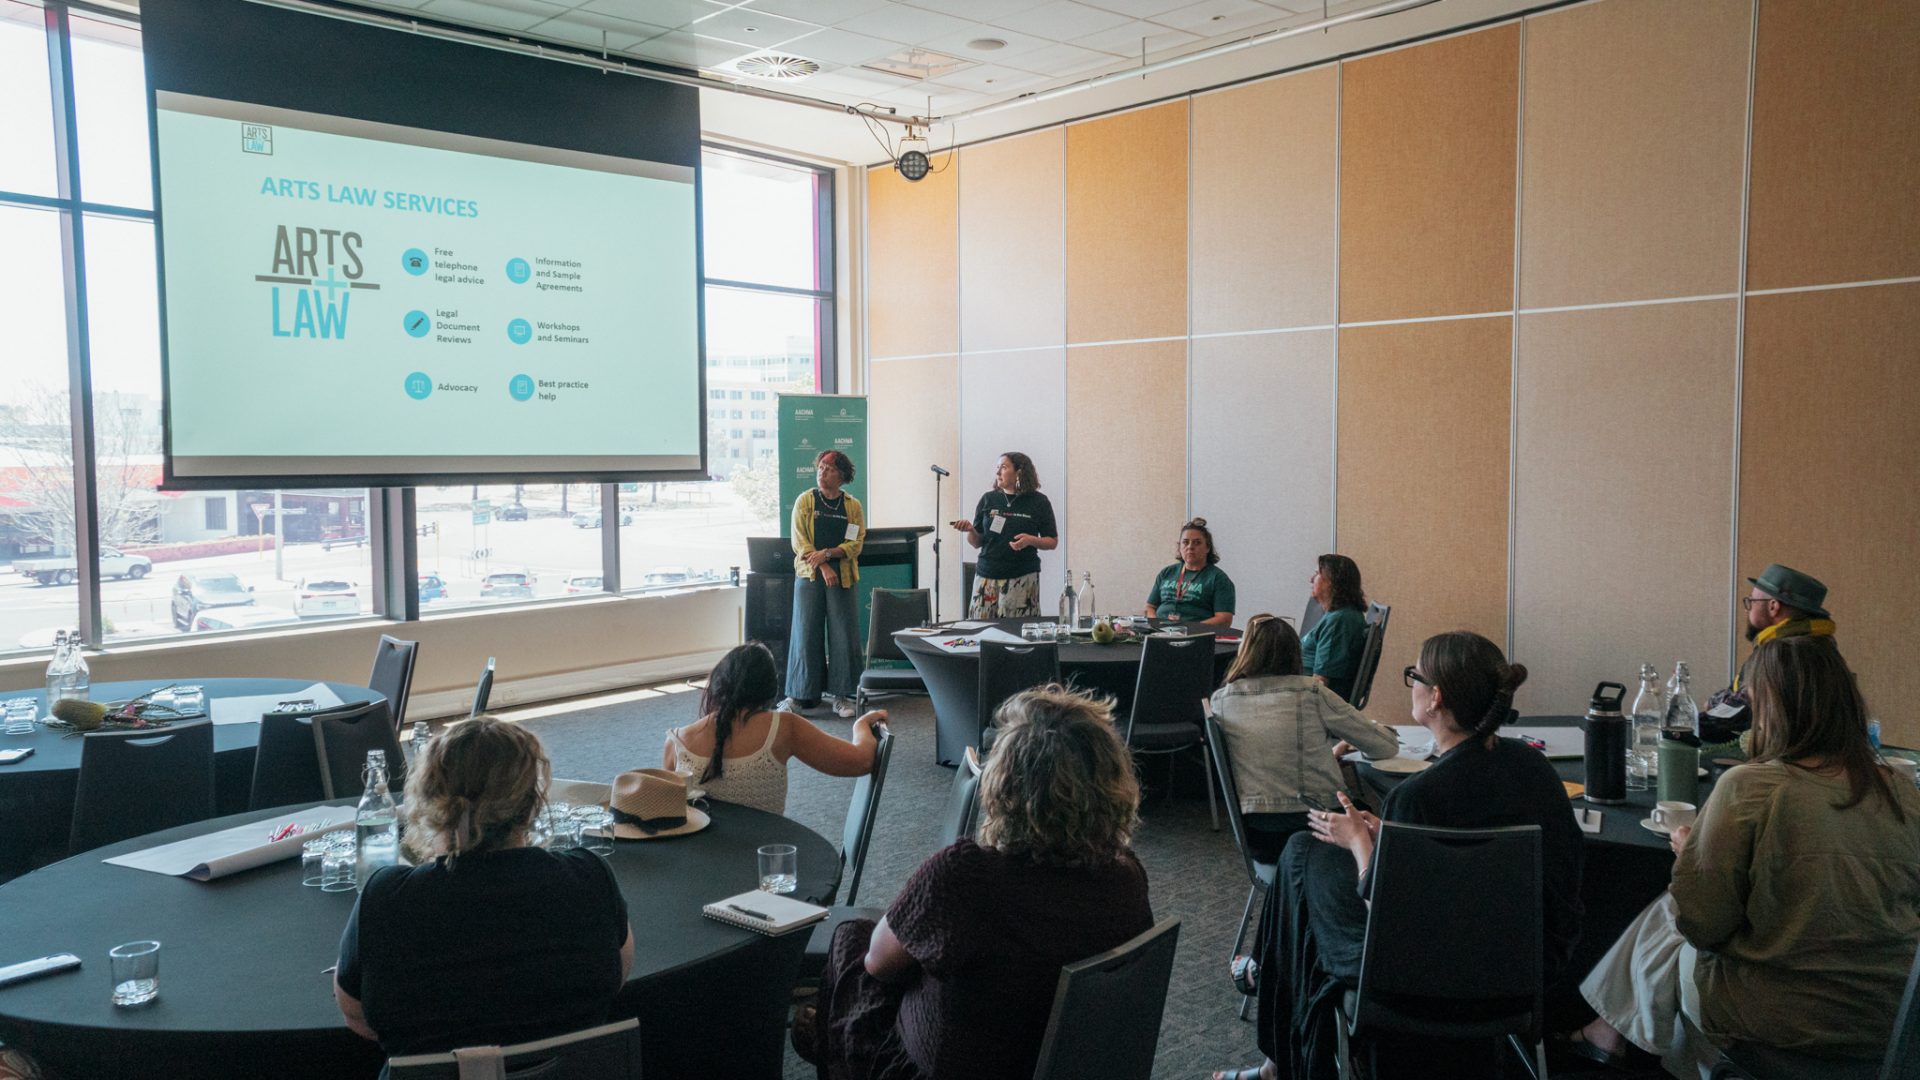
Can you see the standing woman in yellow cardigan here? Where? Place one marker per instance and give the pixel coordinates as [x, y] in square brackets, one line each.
[823, 647]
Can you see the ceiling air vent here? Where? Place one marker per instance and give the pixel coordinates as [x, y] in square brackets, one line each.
[778, 66]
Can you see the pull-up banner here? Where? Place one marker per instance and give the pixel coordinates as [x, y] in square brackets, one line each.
[810, 423]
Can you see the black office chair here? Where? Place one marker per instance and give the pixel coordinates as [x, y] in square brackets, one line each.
[134, 782]
[1107, 1010]
[1753, 1061]
[1006, 669]
[854, 840]
[1312, 616]
[1260, 875]
[1176, 675]
[1483, 977]
[341, 739]
[286, 767]
[1377, 615]
[963, 801]
[893, 610]
[393, 675]
[482, 691]
[608, 1052]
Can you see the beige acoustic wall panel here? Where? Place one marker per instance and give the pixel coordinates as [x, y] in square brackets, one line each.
[1264, 177]
[1127, 225]
[1015, 401]
[1126, 464]
[1426, 178]
[1013, 243]
[1635, 142]
[1263, 461]
[1623, 499]
[1829, 455]
[1422, 491]
[1836, 143]
[913, 421]
[913, 267]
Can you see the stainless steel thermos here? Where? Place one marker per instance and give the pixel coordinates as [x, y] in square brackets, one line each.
[1608, 736]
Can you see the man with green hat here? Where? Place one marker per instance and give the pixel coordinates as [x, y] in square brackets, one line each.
[1784, 603]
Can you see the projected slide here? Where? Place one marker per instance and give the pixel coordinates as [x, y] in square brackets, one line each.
[350, 298]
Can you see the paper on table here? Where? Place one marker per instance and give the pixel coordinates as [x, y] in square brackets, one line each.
[972, 624]
[1569, 743]
[249, 709]
[243, 847]
[965, 643]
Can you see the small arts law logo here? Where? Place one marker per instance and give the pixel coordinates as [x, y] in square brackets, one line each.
[256, 138]
[315, 306]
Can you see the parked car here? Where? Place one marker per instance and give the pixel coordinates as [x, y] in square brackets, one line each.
[431, 587]
[507, 585]
[579, 583]
[511, 512]
[194, 593]
[66, 571]
[662, 576]
[322, 598]
[242, 618]
[590, 519]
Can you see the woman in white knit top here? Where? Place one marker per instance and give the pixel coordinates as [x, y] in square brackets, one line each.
[738, 750]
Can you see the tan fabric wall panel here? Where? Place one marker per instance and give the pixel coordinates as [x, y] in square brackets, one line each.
[1635, 140]
[1127, 225]
[1263, 177]
[913, 409]
[1013, 245]
[1126, 465]
[913, 262]
[1829, 453]
[1263, 461]
[1624, 497]
[1836, 143]
[1423, 437]
[1426, 178]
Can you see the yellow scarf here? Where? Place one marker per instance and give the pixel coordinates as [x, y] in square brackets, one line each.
[1790, 628]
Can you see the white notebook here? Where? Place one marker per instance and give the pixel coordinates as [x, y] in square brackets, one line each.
[764, 912]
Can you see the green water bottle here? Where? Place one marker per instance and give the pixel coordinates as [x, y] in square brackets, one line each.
[1679, 770]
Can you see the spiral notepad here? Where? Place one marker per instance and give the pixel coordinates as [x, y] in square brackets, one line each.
[764, 912]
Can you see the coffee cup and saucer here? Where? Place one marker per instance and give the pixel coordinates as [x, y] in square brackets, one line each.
[1669, 815]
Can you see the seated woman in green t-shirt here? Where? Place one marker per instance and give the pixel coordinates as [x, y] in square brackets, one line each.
[1193, 589]
[1331, 650]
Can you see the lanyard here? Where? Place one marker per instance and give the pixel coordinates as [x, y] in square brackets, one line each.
[1180, 584]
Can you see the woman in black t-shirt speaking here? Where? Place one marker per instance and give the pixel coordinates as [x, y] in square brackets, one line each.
[1012, 525]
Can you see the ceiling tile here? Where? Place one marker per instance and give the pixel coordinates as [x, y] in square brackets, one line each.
[1142, 9]
[1062, 20]
[841, 46]
[1213, 18]
[1057, 61]
[988, 11]
[1125, 40]
[824, 12]
[956, 44]
[499, 14]
[758, 29]
[671, 13]
[945, 99]
[585, 29]
[688, 50]
[988, 79]
[898, 22]
[858, 84]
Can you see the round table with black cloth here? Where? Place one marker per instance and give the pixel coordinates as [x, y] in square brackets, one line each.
[1624, 866]
[243, 994]
[953, 679]
[36, 793]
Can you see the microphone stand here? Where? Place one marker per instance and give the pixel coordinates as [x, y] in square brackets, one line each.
[938, 475]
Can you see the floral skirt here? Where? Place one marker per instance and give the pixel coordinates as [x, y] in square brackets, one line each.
[1005, 598]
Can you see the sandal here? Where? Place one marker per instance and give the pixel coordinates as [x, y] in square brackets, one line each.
[1571, 1042]
[1246, 975]
[1255, 1072]
[806, 1030]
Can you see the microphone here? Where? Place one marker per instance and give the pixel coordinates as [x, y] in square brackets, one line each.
[939, 470]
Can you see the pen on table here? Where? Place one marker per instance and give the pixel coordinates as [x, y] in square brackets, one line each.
[750, 911]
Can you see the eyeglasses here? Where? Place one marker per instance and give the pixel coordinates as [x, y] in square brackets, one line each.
[1747, 602]
[1410, 676]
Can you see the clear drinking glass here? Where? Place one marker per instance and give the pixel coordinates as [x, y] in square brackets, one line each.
[779, 868]
[189, 700]
[1639, 771]
[313, 860]
[136, 972]
[596, 828]
[337, 871]
[20, 715]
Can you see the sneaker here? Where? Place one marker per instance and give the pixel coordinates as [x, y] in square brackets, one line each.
[844, 708]
[787, 705]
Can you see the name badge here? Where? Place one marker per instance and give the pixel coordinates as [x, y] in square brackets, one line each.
[853, 531]
[999, 524]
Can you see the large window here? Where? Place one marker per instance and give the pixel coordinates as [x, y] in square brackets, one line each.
[79, 323]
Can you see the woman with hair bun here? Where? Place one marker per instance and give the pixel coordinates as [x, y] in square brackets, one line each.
[1193, 588]
[1315, 920]
[486, 941]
